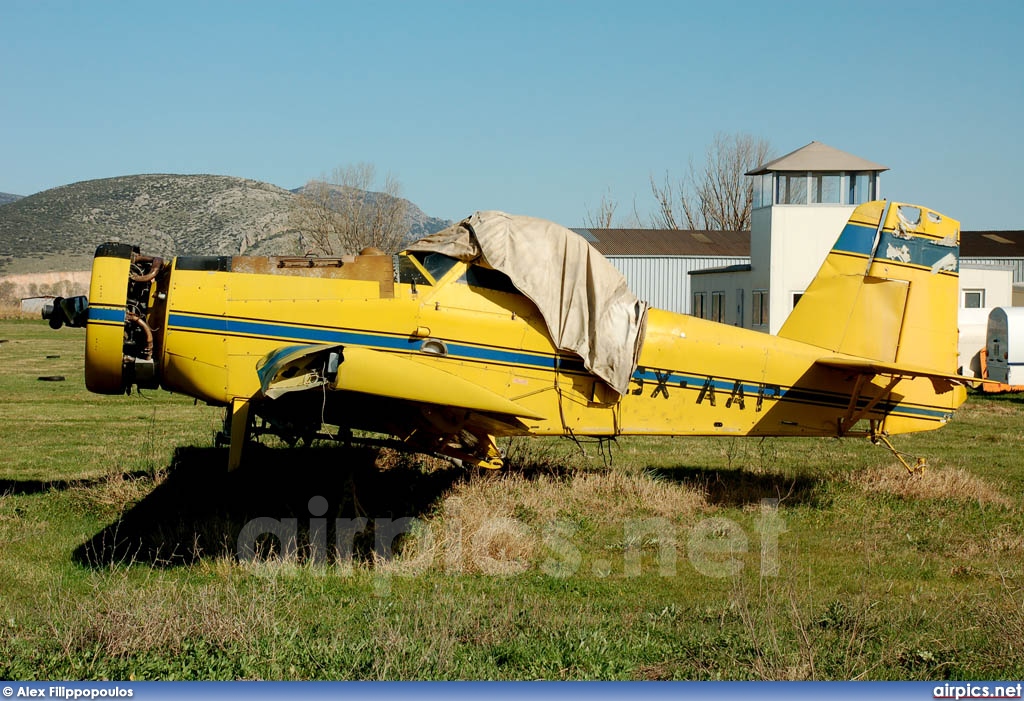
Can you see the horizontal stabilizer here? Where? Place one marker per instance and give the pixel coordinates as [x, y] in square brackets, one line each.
[875, 367]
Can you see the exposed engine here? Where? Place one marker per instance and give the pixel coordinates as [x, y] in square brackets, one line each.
[138, 362]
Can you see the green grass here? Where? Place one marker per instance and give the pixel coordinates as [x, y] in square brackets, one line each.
[118, 531]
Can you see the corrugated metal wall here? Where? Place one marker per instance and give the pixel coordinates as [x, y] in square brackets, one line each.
[1017, 264]
[664, 281]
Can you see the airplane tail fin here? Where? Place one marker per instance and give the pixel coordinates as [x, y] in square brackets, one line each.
[888, 289]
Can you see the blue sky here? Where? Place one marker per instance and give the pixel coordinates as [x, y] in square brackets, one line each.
[531, 107]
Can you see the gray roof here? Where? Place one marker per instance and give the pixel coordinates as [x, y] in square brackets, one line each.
[992, 244]
[820, 157]
[668, 242]
[683, 242]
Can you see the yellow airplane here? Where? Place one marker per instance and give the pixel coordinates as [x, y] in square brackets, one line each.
[505, 325]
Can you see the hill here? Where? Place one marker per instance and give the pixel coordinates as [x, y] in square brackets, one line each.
[6, 197]
[418, 222]
[59, 229]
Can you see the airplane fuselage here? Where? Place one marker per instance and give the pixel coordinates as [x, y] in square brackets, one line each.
[213, 319]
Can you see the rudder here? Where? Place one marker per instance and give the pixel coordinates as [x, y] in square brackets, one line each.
[888, 290]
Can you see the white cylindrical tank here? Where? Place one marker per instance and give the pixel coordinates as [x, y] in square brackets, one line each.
[973, 324]
[1005, 345]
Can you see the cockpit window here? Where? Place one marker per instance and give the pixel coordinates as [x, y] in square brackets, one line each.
[437, 264]
[487, 278]
[406, 272]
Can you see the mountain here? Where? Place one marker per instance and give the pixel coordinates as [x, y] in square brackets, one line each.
[6, 197]
[418, 222]
[164, 215]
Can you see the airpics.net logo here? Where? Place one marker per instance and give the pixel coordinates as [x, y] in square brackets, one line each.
[978, 691]
[504, 545]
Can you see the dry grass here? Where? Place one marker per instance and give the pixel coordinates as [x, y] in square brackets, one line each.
[934, 483]
[114, 493]
[1005, 539]
[121, 623]
[498, 526]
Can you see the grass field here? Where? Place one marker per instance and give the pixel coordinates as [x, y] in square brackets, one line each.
[119, 536]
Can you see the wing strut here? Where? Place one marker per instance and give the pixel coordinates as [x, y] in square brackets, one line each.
[855, 414]
[877, 435]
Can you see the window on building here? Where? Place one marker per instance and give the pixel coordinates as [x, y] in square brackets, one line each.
[762, 190]
[718, 306]
[699, 310]
[974, 299]
[862, 188]
[792, 188]
[738, 321]
[825, 188]
[759, 308]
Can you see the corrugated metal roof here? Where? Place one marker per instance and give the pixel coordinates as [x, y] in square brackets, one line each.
[682, 242]
[818, 156]
[992, 244]
[670, 242]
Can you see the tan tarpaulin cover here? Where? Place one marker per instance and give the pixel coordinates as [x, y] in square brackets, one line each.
[586, 304]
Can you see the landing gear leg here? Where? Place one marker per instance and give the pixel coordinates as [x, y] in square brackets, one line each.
[919, 463]
[239, 431]
[492, 457]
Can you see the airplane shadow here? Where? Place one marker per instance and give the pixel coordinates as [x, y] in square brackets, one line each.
[741, 487]
[28, 487]
[199, 509]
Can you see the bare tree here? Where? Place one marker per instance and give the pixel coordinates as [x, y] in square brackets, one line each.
[717, 196]
[602, 217]
[340, 214]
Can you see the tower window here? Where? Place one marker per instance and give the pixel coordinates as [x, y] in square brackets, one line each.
[825, 188]
[862, 188]
[792, 188]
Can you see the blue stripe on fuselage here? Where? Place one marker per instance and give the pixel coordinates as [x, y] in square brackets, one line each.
[335, 336]
[728, 386]
[462, 351]
[104, 314]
